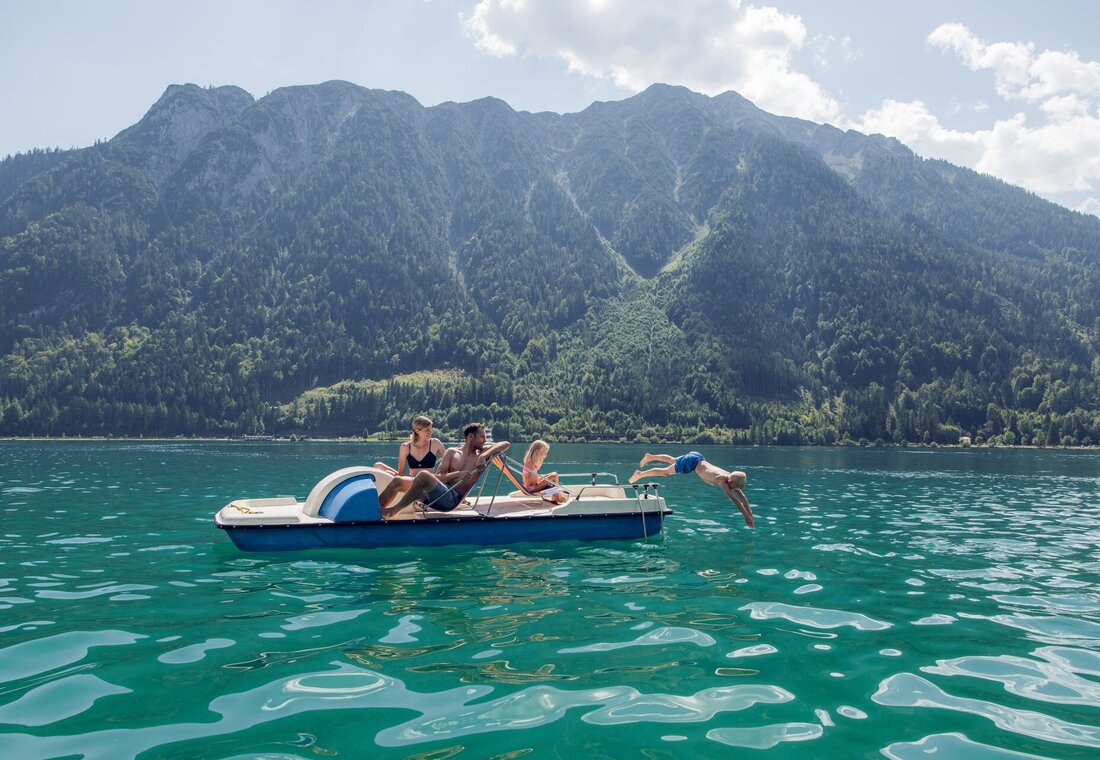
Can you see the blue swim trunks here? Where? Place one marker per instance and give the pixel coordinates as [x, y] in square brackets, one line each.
[688, 462]
[442, 499]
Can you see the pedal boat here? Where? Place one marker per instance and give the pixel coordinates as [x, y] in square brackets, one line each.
[343, 510]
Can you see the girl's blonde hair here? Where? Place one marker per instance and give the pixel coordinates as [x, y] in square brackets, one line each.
[419, 423]
[536, 453]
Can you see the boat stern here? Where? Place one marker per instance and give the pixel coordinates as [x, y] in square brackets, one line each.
[284, 510]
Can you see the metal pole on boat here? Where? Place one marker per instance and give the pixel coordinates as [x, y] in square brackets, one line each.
[660, 509]
[638, 501]
[495, 489]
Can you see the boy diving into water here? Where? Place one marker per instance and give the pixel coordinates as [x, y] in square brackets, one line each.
[730, 482]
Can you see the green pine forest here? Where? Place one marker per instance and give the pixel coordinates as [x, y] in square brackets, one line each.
[330, 261]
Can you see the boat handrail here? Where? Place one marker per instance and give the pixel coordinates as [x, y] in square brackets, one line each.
[592, 475]
[576, 492]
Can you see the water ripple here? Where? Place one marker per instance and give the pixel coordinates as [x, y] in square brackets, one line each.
[1045, 681]
[321, 619]
[909, 690]
[52, 652]
[106, 590]
[194, 652]
[699, 707]
[446, 715]
[813, 616]
[766, 737]
[58, 700]
[660, 636]
[1055, 630]
[952, 745]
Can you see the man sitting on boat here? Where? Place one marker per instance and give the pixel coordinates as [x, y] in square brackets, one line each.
[458, 472]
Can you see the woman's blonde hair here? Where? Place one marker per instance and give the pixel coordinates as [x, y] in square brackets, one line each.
[419, 423]
[536, 451]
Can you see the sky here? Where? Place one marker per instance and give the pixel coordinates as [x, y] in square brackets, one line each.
[1010, 88]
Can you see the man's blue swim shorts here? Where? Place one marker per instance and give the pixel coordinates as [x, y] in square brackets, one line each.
[688, 462]
[442, 498]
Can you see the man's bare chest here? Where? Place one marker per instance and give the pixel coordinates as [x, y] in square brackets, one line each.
[464, 462]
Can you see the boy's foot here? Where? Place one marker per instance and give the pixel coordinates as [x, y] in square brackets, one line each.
[635, 477]
[645, 460]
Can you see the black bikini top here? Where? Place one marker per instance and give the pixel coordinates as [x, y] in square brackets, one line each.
[426, 463]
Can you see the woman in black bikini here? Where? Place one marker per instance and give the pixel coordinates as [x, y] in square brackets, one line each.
[421, 452]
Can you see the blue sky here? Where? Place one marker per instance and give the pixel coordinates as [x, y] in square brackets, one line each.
[1006, 87]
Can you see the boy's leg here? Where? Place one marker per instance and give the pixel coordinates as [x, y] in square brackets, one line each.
[656, 458]
[656, 472]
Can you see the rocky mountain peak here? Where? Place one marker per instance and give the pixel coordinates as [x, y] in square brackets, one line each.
[176, 123]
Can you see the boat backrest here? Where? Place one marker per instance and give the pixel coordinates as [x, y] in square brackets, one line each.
[498, 461]
[517, 481]
[324, 488]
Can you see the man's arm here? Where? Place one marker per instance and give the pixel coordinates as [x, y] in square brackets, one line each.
[447, 464]
[482, 462]
[448, 472]
[497, 448]
[452, 476]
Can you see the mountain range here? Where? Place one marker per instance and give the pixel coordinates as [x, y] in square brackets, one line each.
[330, 259]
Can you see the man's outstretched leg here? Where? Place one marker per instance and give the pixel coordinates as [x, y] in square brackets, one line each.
[656, 458]
[421, 484]
[396, 485]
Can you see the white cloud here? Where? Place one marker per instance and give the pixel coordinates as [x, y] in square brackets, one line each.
[1053, 149]
[1017, 71]
[916, 126]
[1089, 206]
[827, 49]
[1050, 158]
[709, 46]
[1009, 61]
[1064, 108]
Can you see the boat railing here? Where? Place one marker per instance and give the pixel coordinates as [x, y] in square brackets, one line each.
[575, 491]
[592, 475]
[592, 478]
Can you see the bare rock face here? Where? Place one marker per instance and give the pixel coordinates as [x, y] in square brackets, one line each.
[176, 124]
[269, 144]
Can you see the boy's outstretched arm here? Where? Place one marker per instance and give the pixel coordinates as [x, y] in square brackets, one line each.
[737, 496]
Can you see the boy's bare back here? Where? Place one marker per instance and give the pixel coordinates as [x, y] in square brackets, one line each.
[711, 474]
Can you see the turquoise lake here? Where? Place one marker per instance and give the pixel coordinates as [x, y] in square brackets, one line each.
[904, 603]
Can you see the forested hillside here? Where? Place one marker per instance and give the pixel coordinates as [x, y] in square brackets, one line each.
[333, 260]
